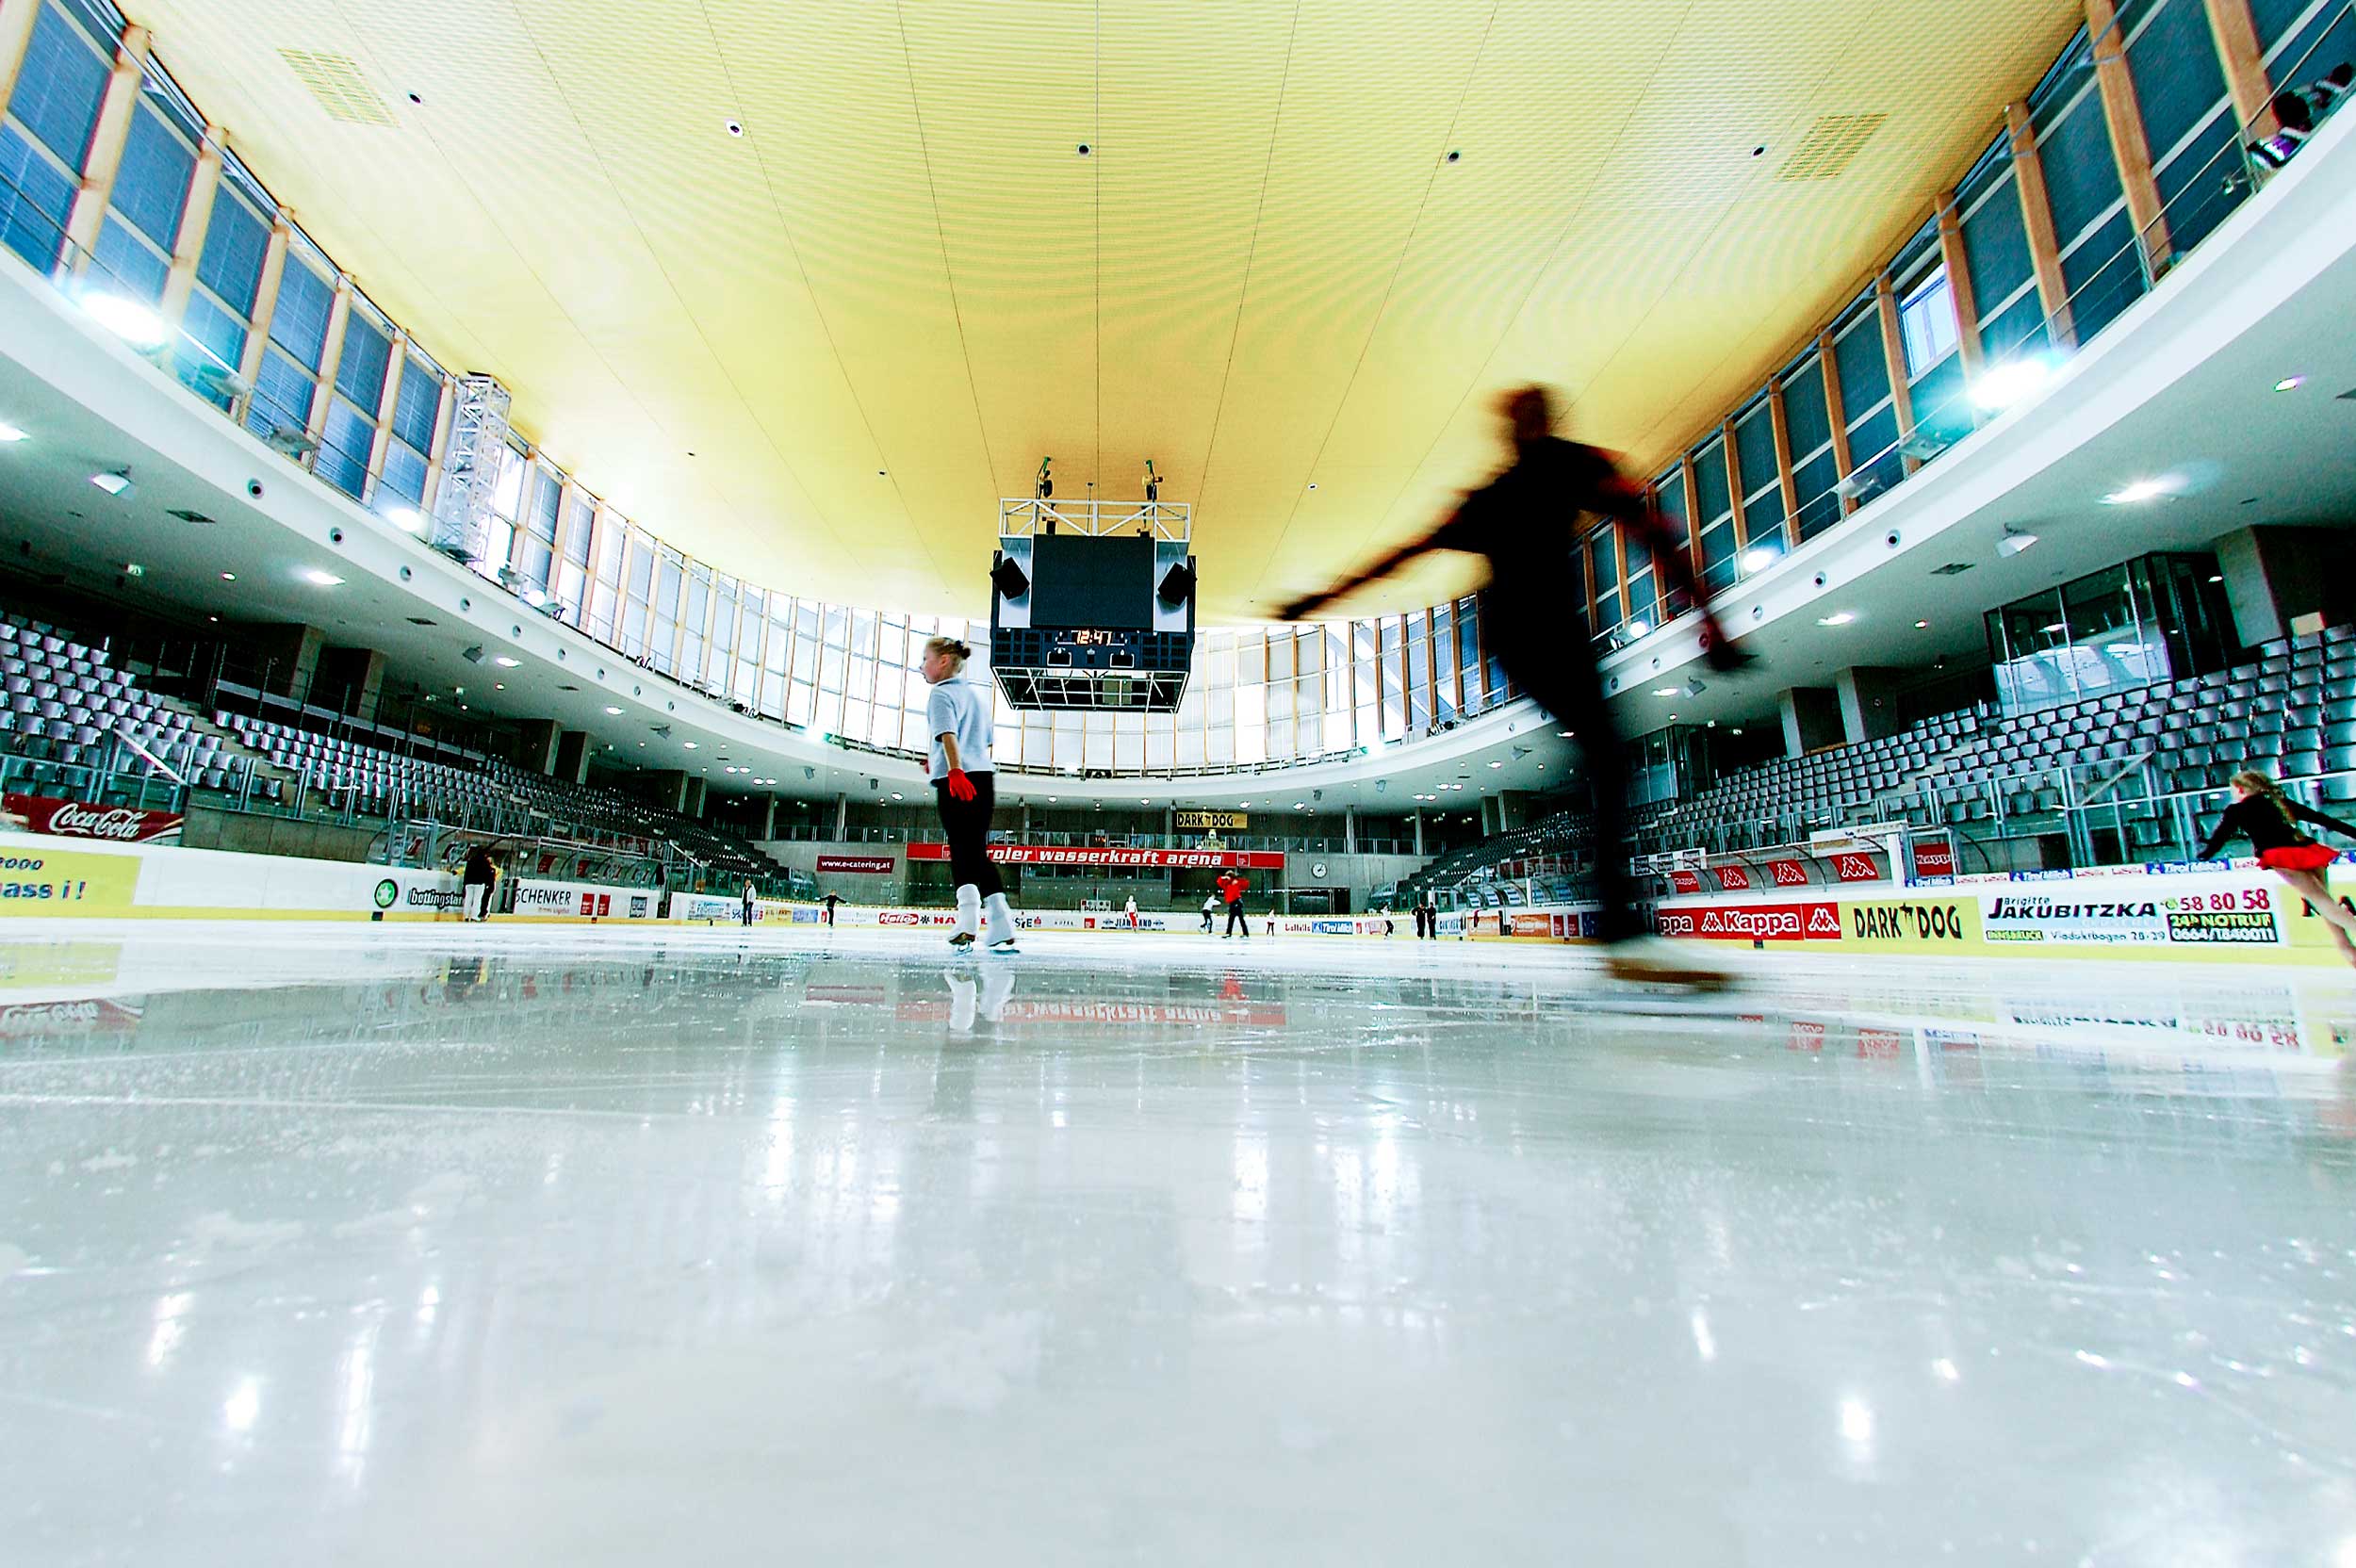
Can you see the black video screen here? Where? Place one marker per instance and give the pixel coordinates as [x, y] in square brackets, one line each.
[1078, 581]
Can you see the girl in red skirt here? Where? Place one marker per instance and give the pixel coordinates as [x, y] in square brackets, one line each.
[2269, 820]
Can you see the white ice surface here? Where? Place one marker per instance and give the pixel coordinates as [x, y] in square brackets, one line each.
[391, 1245]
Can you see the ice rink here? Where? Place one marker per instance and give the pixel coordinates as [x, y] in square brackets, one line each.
[350, 1244]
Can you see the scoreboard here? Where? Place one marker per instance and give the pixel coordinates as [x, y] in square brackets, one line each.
[1093, 620]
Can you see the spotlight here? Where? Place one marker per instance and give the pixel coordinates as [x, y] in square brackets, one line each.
[1044, 487]
[506, 663]
[472, 655]
[115, 484]
[1839, 617]
[614, 710]
[2014, 542]
[324, 580]
[1639, 628]
[10, 434]
[2288, 383]
[1758, 559]
[2136, 494]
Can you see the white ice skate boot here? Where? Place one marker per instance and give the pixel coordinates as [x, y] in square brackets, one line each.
[968, 917]
[998, 923]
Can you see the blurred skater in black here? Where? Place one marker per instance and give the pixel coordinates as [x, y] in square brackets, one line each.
[1525, 522]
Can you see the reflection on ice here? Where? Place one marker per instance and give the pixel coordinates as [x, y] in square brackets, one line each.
[592, 1246]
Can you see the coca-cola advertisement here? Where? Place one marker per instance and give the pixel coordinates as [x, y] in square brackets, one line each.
[78, 819]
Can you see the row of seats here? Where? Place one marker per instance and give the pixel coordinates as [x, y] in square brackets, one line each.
[66, 706]
[2289, 711]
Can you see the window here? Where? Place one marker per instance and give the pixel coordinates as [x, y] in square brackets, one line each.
[150, 187]
[539, 526]
[46, 138]
[280, 409]
[361, 370]
[1926, 319]
[416, 410]
[572, 572]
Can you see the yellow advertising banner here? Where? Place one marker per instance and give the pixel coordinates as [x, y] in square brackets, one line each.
[1213, 822]
[38, 881]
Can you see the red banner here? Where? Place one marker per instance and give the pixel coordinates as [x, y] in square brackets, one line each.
[1147, 859]
[1857, 868]
[1734, 879]
[1763, 922]
[1934, 859]
[861, 865]
[1788, 874]
[74, 818]
[1685, 881]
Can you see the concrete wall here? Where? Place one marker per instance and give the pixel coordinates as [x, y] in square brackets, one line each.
[250, 833]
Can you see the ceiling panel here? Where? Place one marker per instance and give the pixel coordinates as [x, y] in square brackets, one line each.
[871, 313]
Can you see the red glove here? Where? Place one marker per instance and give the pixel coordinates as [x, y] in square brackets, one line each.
[960, 787]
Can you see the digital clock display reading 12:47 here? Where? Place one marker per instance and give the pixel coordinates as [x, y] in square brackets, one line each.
[1095, 638]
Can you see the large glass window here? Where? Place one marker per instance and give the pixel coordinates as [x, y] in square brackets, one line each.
[280, 409]
[46, 138]
[151, 189]
[361, 370]
[1717, 510]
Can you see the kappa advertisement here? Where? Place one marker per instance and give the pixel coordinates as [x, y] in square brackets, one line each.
[1757, 923]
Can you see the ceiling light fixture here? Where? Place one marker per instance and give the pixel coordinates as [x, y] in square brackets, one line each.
[505, 662]
[2136, 494]
[117, 482]
[2290, 384]
[1639, 628]
[2014, 542]
[689, 744]
[612, 710]
[229, 576]
[1667, 691]
[1839, 617]
[406, 518]
[1922, 626]
[1758, 559]
[323, 578]
[9, 434]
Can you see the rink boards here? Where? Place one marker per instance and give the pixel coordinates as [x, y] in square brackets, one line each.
[2209, 915]
[2212, 914]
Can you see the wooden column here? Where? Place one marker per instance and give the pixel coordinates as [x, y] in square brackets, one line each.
[2124, 113]
[16, 35]
[1780, 422]
[388, 403]
[443, 410]
[88, 213]
[331, 357]
[1837, 410]
[1959, 289]
[1895, 357]
[1736, 489]
[2245, 61]
[2036, 215]
[1693, 514]
[196, 221]
[265, 306]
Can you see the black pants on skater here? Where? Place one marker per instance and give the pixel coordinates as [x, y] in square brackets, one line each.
[1236, 917]
[967, 823]
[1563, 679]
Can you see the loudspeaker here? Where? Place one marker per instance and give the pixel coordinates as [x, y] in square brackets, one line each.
[1009, 579]
[1177, 584]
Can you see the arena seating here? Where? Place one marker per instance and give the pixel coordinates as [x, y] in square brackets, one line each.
[422, 780]
[2290, 711]
[67, 707]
